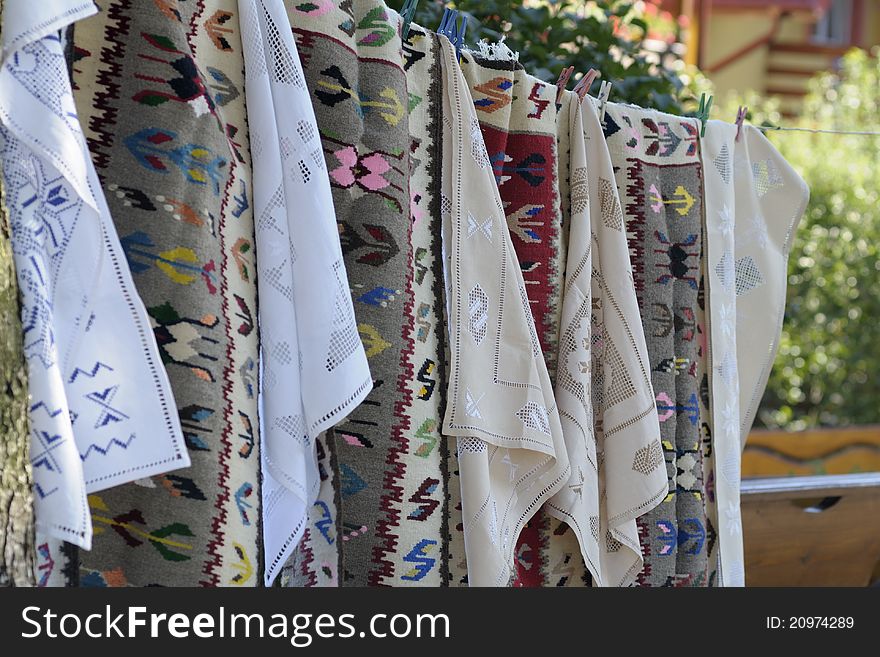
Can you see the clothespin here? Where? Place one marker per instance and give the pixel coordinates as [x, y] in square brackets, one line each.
[582, 88]
[604, 93]
[406, 13]
[449, 27]
[703, 112]
[740, 117]
[561, 83]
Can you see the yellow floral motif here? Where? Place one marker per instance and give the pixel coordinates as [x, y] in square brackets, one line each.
[177, 254]
[374, 343]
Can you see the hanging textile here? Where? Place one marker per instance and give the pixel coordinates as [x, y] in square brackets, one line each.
[16, 482]
[575, 508]
[306, 317]
[658, 172]
[517, 116]
[560, 557]
[772, 197]
[315, 561]
[27, 22]
[421, 554]
[500, 406]
[160, 89]
[101, 408]
[632, 476]
[352, 60]
[747, 265]
[722, 465]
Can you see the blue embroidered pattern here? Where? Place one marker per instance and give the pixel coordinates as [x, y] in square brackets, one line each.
[96, 379]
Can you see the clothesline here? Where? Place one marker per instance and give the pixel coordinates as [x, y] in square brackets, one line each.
[816, 130]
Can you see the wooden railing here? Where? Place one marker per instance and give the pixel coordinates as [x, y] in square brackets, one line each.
[811, 507]
[812, 531]
[819, 451]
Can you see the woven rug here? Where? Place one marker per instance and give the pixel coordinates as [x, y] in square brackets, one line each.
[353, 64]
[17, 556]
[421, 553]
[160, 93]
[518, 119]
[659, 178]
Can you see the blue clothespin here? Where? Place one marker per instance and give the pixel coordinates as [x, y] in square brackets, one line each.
[406, 13]
[449, 27]
[703, 113]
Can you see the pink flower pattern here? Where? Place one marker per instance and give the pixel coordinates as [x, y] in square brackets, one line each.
[367, 171]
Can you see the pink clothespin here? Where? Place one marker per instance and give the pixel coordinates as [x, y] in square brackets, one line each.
[561, 83]
[584, 84]
[740, 117]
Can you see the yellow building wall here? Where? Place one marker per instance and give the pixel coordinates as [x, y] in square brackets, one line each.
[728, 33]
[794, 28]
[871, 33]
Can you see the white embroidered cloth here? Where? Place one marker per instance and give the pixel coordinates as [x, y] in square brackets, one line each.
[613, 439]
[578, 504]
[313, 363]
[501, 408]
[718, 147]
[26, 21]
[770, 201]
[102, 413]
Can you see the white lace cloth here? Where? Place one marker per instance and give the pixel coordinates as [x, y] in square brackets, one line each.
[102, 412]
[27, 21]
[314, 366]
[613, 440]
[770, 200]
[511, 453]
[754, 201]
[717, 148]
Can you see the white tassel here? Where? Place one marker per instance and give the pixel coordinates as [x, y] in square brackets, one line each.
[498, 52]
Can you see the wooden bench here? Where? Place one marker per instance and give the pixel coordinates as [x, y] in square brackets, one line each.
[819, 451]
[819, 530]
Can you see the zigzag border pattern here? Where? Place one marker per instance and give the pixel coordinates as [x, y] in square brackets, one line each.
[103, 450]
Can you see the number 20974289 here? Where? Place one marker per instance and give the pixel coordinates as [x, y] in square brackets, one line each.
[810, 623]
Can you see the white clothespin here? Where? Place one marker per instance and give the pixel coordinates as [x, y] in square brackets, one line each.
[604, 93]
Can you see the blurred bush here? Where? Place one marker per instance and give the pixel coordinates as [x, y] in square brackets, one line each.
[633, 44]
[828, 369]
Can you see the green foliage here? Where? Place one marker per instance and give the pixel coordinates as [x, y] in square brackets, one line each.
[608, 35]
[826, 373]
